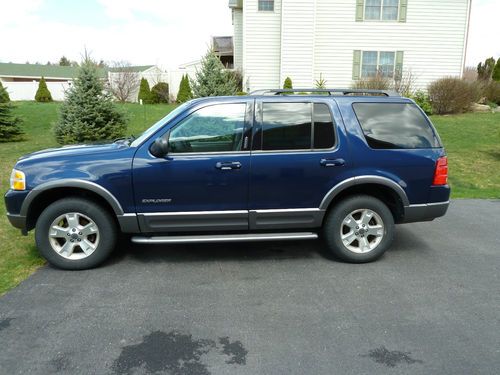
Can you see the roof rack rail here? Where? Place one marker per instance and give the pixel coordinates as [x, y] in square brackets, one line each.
[328, 91]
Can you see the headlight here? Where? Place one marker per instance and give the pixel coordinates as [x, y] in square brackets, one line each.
[17, 180]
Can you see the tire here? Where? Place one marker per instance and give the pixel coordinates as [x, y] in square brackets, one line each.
[346, 237]
[87, 246]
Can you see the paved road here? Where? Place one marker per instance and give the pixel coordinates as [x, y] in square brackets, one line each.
[431, 305]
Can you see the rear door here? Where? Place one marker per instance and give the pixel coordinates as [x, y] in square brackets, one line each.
[298, 154]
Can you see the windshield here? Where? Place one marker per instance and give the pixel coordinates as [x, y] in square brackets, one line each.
[153, 129]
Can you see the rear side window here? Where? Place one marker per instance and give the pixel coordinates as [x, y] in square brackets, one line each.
[395, 125]
[297, 126]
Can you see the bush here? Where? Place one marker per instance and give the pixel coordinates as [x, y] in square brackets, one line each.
[452, 95]
[496, 71]
[213, 79]
[423, 101]
[288, 83]
[9, 124]
[4, 95]
[377, 82]
[88, 113]
[144, 92]
[159, 93]
[492, 92]
[241, 93]
[43, 93]
[184, 93]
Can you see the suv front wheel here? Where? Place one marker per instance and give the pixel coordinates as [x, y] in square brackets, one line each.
[75, 234]
[359, 229]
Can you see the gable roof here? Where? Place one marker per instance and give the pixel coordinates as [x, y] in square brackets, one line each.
[49, 71]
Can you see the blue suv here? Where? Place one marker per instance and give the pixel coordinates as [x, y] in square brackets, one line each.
[345, 165]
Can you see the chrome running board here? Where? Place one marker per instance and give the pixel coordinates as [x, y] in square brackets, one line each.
[226, 238]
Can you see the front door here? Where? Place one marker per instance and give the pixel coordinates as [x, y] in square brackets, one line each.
[299, 153]
[202, 183]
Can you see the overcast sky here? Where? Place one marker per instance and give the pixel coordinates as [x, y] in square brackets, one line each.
[162, 32]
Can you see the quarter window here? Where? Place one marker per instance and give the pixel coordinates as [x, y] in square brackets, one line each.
[375, 62]
[266, 5]
[395, 126]
[381, 10]
[297, 126]
[216, 128]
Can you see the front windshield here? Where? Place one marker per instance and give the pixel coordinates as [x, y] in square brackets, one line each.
[158, 125]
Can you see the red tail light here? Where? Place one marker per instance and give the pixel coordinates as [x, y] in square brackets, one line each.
[441, 172]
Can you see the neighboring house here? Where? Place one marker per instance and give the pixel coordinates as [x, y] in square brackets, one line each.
[152, 73]
[346, 40]
[21, 80]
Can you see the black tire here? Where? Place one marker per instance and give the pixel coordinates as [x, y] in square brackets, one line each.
[105, 224]
[334, 223]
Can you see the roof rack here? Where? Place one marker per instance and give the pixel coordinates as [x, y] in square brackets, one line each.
[339, 92]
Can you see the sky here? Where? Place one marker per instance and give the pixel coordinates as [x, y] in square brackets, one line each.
[161, 32]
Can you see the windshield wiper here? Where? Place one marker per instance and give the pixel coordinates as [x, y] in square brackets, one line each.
[129, 139]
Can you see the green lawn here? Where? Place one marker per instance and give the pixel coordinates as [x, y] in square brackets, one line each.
[472, 142]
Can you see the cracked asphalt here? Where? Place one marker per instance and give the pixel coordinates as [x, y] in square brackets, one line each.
[431, 305]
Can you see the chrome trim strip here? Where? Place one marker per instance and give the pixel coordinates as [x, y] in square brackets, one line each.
[193, 213]
[428, 204]
[226, 238]
[286, 210]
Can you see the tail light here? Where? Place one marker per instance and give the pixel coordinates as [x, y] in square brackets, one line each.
[441, 172]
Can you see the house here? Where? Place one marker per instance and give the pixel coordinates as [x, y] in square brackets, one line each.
[347, 40]
[21, 80]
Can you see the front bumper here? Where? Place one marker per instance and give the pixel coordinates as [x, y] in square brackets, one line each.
[13, 202]
[425, 212]
[17, 221]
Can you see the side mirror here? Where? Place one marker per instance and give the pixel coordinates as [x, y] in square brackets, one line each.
[159, 148]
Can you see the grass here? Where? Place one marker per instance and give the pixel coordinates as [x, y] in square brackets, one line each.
[471, 140]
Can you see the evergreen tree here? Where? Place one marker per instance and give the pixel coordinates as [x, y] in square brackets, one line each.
[185, 92]
[288, 83]
[43, 93]
[496, 71]
[484, 71]
[4, 95]
[144, 92]
[63, 61]
[88, 112]
[159, 93]
[9, 124]
[213, 79]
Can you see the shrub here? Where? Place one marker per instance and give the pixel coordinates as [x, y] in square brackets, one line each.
[423, 101]
[4, 95]
[212, 79]
[43, 93]
[496, 71]
[9, 124]
[377, 82]
[159, 93]
[452, 95]
[185, 92]
[241, 93]
[484, 71]
[492, 92]
[288, 83]
[88, 113]
[320, 83]
[144, 92]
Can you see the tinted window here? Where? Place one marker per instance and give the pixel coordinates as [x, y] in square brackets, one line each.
[210, 129]
[324, 133]
[286, 126]
[393, 125]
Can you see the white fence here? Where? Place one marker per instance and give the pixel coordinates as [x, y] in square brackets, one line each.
[27, 90]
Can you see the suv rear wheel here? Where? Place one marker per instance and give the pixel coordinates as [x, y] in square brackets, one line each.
[359, 229]
[75, 233]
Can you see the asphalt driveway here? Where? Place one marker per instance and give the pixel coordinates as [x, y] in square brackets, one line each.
[431, 305]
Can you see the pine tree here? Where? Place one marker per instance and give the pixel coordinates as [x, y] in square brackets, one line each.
[9, 124]
[88, 112]
[496, 71]
[144, 92]
[484, 71]
[63, 61]
[4, 95]
[213, 79]
[43, 93]
[288, 83]
[185, 92]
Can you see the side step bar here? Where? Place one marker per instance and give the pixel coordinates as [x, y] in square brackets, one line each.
[226, 238]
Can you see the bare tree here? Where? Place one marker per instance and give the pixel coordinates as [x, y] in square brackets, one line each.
[123, 81]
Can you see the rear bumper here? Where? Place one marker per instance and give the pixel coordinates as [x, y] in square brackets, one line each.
[425, 212]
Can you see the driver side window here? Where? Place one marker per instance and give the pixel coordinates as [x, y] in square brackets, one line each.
[216, 128]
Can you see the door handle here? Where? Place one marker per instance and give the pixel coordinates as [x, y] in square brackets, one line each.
[332, 162]
[228, 165]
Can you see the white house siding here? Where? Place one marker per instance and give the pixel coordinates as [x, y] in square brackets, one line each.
[297, 41]
[238, 38]
[319, 37]
[261, 46]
